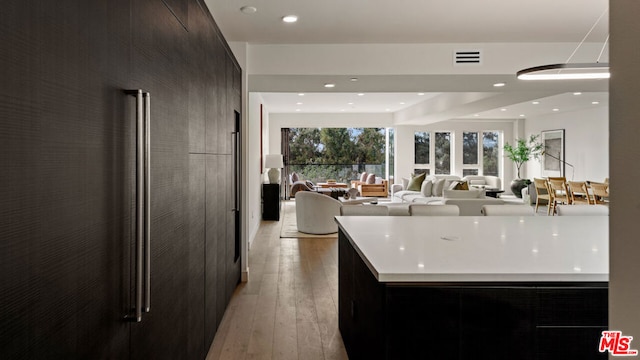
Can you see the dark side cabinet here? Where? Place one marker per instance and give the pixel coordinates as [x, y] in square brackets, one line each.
[271, 202]
[67, 192]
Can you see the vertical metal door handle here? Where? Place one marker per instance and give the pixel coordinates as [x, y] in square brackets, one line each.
[143, 224]
[139, 213]
[234, 153]
[147, 202]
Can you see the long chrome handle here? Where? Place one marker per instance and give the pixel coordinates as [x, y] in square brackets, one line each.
[147, 201]
[139, 189]
[234, 152]
[143, 228]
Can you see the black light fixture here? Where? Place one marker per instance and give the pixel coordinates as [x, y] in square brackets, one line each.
[570, 71]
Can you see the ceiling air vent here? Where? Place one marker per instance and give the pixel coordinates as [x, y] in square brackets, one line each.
[467, 57]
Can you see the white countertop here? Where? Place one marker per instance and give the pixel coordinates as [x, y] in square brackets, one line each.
[479, 249]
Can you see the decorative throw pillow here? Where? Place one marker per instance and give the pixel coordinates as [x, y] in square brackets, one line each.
[459, 185]
[426, 187]
[416, 182]
[310, 184]
[371, 179]
[438, 186]
[294, 177]
[363, 177]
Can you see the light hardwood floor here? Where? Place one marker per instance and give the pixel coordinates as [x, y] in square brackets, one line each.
[289, 307]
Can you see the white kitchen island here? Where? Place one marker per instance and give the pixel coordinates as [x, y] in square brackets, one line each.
[473, 287]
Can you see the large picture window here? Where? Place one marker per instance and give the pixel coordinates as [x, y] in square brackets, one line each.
[443, 152]
[422, 143]
[491, 153]
[319, 154]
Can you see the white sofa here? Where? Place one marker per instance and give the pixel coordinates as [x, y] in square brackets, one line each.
[433, 186]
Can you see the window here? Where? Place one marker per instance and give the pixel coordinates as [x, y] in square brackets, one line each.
[466, 172]
[490, 153]
[470, 148]
[422, 143]
[443, 152]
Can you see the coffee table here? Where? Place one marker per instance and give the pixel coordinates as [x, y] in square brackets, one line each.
[357, 200]
[494, 193]
[332, 185]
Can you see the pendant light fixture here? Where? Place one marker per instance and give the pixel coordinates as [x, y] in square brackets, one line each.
[570, 71]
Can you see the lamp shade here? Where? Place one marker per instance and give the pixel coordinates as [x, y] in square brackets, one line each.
[273, 161]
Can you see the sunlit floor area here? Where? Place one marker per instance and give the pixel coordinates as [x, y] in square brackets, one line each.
[289, 307]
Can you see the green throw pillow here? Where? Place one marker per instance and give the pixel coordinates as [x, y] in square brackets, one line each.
[416, 182]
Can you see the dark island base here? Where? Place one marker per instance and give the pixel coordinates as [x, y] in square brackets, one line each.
[466, 321]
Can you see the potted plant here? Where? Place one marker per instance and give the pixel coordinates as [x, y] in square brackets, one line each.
[520, 153]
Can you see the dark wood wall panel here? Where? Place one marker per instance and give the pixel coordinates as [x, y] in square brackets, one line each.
[196, 275]
[67, 144]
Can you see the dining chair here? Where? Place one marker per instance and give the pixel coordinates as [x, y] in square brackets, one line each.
[433, 210]
[364, 210]
[558, 193]
[507, 210]
[542, 193]
[582, 210]
[600, 192]
[578, 193]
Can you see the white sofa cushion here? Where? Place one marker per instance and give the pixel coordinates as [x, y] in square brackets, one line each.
[464, 194]
[426, 188]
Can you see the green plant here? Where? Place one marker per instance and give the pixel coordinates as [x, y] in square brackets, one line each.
[523, 151]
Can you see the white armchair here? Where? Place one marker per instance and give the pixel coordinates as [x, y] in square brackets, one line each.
[315, 213]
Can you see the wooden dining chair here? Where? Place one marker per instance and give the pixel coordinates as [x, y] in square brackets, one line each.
[558, 193]
[578, 193]
[542, 193]
[600, 193]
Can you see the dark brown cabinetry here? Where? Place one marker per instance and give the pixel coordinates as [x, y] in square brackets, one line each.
[271, 202]
[67, 194]
[472, 320]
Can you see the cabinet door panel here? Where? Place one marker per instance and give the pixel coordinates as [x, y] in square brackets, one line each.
[216, 230]
[196, 296]
[64, 209]
[159, 49]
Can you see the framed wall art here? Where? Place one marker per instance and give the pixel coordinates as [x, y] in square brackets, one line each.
[553, 163]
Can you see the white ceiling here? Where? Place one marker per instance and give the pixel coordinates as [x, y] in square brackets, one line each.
[417, 21]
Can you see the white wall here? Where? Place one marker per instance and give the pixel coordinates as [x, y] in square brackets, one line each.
[586, 142]
[410, 59]
[405, 159]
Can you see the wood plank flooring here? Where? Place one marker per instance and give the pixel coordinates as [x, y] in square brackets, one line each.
[289, 307]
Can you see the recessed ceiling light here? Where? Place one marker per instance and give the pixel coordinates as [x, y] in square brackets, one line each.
[387, 109]
[361, 94]
[556, 109]
[503, 109]
[350, 103]
[298, 103]
[248, 9]
[300, 94]
[577, 93]
[499, 84]
[521, 115]
[341, 109]
[354, 79]
[595, 102]
[329, 85]
[290, 18]
[402, 103]
[536, 102]
[476, 115]
[420, 94]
